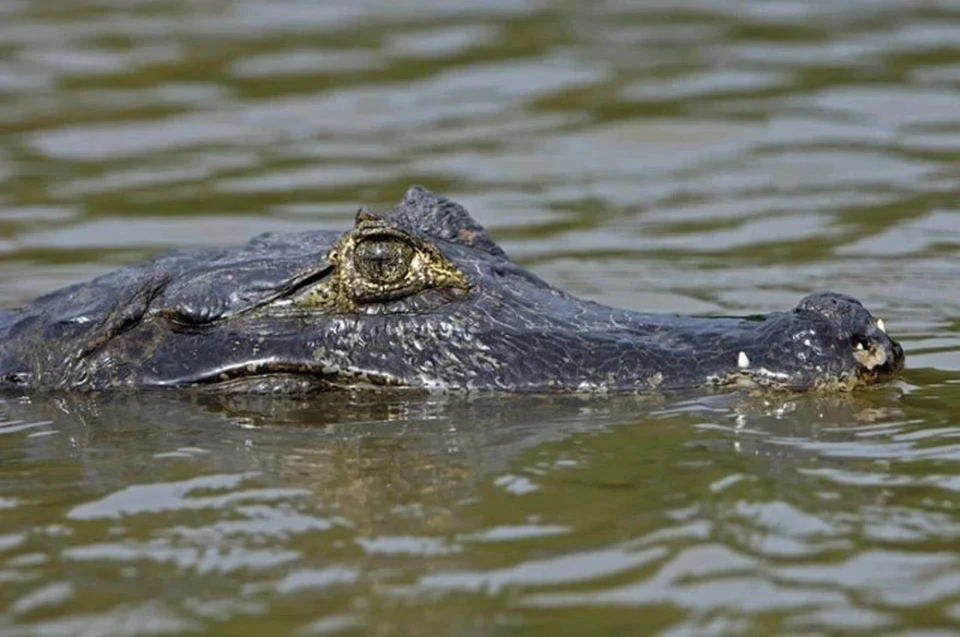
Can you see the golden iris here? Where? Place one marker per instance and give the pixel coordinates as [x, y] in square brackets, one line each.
[383, 260]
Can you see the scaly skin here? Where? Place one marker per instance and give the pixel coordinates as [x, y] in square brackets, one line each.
[420, 297]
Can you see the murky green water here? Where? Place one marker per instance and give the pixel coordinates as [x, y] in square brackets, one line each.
[697, 157]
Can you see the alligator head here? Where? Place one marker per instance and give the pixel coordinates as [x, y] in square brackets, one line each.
[418, 297]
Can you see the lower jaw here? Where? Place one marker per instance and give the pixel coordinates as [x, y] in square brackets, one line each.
[264, 384]
[286, 382]
[296, 382]
[834, 384]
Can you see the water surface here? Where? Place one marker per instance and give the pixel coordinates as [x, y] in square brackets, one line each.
[725, 157]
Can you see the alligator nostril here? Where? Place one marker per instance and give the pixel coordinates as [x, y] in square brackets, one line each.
[859, 342]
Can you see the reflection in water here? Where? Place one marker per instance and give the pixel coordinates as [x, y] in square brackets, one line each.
[360, 510]
[727, 157]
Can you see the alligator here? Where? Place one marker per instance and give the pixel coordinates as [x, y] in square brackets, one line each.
[417, 297]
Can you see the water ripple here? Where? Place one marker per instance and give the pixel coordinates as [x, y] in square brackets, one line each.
[177, 496]
[724, 157]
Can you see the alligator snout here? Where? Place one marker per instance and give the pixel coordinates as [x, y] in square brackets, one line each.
[874, 355]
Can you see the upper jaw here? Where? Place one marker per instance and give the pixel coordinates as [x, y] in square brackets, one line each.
[840, 349]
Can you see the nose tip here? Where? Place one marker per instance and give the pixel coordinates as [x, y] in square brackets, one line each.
[896, 354]
[878, 356]
[884, 360]
[831, 305]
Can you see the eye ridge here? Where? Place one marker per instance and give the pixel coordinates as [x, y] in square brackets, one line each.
[374, 266]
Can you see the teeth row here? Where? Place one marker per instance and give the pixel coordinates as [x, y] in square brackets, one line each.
[881, 326]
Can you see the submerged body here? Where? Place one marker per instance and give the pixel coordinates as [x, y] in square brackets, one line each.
[418, 297]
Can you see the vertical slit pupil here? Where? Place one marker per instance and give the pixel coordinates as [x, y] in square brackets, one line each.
[383, 261]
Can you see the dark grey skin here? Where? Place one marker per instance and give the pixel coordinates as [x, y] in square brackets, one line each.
[235, 320]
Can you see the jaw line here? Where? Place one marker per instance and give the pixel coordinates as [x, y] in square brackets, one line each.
[779, 381]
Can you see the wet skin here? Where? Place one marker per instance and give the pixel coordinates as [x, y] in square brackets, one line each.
[418, 297]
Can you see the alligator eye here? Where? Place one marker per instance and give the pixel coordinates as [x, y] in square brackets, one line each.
[383, 260]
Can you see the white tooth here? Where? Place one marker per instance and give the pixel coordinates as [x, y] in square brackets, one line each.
[742, 361]
[859, 346]
[881, 326]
